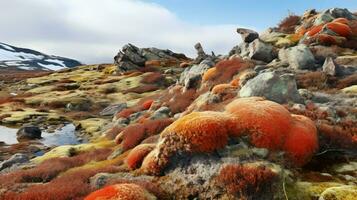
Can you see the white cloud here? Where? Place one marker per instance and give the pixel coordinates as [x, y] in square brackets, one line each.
[94, 30]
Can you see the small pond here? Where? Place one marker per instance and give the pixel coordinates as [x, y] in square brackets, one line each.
[62, 136]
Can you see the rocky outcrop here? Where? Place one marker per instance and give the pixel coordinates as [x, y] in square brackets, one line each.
[247, 34]
[133, 58]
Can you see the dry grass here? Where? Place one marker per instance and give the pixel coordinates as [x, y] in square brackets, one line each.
[288, 24]
[50, 168]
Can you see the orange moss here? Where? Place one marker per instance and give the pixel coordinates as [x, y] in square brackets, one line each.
[50, 168]
[246, 180]
[224, 71]
[125, 113]
[72, 185]
[315, 30]
[154, 77]
[147, 104]
[123, 191]
[301, 142]
[341, 20]
[177, 98]
[326, 39]
[225, 91]
[265, 121]
[235, 82]
[222, 88]
[202, 131]
[137, 155]
[339, 28]
[113, 132]
[133, 134]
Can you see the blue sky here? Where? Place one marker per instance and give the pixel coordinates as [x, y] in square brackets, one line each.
[260, 14]
[93, 31]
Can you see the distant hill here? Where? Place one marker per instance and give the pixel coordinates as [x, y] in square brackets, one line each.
[15, 58]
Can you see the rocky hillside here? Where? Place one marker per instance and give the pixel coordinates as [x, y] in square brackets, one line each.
[275, 118]
[15, 58]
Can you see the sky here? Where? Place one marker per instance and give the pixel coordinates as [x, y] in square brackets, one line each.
[93, 31]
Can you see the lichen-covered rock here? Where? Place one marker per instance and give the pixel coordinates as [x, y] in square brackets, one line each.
[191, 76]
[258, 50]
[121, 192]
[298, 57]
[279, 88]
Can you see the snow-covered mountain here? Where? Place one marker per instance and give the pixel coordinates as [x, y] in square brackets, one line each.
[16, 58]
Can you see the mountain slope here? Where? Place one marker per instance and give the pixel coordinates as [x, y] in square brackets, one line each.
[16, 58]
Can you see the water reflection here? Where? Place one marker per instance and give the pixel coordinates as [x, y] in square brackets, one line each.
[63, 136]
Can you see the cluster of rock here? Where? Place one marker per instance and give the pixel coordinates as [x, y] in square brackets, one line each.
[133, 58]
[272, 65]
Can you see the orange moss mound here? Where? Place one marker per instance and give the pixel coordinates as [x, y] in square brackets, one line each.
[224, 71]
[203, 131]
[315, 30]
[301, 142]
[268, 124]
[339, 28]
[137, 155]
[133, 134]
[326, 39]
[265, 121]
[222, 88]
[121, 192]
[341, 20]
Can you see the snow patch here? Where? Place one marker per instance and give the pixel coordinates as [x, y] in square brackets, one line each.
[60, 62]
[51, 67]
[7, 47]
[9, 55]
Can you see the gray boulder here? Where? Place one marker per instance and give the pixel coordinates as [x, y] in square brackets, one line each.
[113, 109]
[341, 13]
[247, 34]
[28, 132]
[161, 113]
[273, 86]
[192, 75]
[298, 57]
[331, 68]
[18, 158]
[259, 50]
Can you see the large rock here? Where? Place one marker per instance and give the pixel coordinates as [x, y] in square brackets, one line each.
[247, 34]
[133, 58]
[28, 132]
[331, 68]
[192, 75]
[298, 57]
[259, 50]
[18, 158]
[113, 109]
[273, 86]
